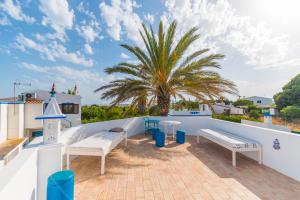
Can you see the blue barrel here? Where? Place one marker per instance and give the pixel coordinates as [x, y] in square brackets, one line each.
[61, 186]
[160, 139]
[153, 131]
[180, 136]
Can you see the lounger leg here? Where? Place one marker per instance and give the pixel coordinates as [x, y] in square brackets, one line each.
[233, 158]
[102, 165]
[126, 139]
[260, 156]
[197, 138]
[68, 161]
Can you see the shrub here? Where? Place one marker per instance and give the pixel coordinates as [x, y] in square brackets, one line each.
[254, 114]
[290, 112]
[234, 118]
[154, 110]
[231, 118]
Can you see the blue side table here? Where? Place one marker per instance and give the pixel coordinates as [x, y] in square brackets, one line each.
[61, 186]
[180, 136]
[160, 139]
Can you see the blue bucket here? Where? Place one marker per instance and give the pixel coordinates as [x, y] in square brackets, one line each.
[180, 136]
[153, 131]
[61, 186]
[159, 139]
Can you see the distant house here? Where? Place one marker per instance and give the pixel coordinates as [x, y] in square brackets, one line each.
[262, 102]
[17, 115]
[221, 108]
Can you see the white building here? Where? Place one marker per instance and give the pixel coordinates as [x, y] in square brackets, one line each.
[262, 102]
[221, 108]
[18, 117]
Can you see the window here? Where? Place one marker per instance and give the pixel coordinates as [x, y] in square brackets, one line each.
[258, 101]
[69, 108]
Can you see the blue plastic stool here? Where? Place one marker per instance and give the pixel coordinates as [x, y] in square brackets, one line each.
[159, 139]
[61, 186]
[180, 136]
[153, 131]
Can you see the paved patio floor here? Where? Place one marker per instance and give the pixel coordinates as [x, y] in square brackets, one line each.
[188, 171]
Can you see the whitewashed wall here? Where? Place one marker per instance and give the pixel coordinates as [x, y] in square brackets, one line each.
[15, 127]
[49, 161]
[266, 125]
[132, 125]
[18, 179]
[3, 122]
[31, 112]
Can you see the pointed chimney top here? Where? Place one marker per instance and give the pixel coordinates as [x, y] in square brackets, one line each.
[53, 92]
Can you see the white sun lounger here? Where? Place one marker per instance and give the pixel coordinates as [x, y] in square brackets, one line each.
[232, 142]
[99, 144]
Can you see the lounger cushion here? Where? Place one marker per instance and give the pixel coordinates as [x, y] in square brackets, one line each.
[100, 143]
[228, 139]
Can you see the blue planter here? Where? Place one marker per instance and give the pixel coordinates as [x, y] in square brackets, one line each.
[153, 131]
[159, 139]
[61, 186]
[180, 136]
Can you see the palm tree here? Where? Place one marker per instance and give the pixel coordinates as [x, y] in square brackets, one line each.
[163, 71]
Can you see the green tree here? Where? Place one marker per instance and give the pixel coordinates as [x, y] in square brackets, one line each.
[290, 112]
[290, 95]
[163, 71]
[242, 102]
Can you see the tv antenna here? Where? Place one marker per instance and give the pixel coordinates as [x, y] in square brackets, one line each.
[16, 83]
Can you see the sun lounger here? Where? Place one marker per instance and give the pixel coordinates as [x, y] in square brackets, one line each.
[232, 142]
[99, 144]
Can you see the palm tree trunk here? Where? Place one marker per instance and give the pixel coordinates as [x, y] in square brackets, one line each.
[163, 103]
[142, 105]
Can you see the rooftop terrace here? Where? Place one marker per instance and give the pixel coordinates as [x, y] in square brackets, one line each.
[188, 171]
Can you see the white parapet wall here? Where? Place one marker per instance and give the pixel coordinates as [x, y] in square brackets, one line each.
[266, 125]
[3, 122]
[25, 177]
[16, 121]
[133, 126]
[18, 179]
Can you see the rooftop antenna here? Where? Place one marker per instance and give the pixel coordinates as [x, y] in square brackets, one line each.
[16, 83]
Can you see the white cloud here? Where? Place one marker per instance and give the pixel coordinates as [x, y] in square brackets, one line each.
[88, 49]
[4, 21]
[124, 56]
[52, 51]
[66, 77]
[33, 67]
[63, 72]
[88, 32]
[150, 18]
[220, 26]
[89, 29]
[14, 10]
[120, 18]
[81, 8]
[57, 15]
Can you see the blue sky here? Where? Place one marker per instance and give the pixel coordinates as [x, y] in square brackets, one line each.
[71, 42]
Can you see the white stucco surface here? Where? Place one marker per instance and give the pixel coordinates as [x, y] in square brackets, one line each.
[32, 111]
[16, 121]
[19, 177]
[3, 122]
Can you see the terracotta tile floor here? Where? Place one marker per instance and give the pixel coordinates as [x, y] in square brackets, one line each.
[189, 171]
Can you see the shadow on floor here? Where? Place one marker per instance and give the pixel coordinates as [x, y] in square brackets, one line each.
[263, 181]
